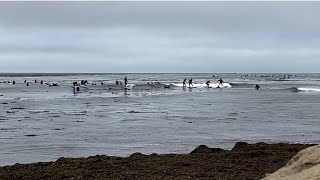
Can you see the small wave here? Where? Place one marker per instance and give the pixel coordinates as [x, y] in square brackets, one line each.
[204, 85]
[308, 89]
[242, 85]
[293, 89]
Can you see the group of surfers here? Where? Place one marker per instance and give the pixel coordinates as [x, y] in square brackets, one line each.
[207, 83]
[257, 87]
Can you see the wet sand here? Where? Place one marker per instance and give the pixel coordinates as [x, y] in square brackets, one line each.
[244, 161]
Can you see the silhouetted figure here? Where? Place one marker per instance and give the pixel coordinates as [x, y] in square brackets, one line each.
[117, 82]
[257, 87]
[220, 82]
[101, 83]
[184, 82]
[27, 83]
[41, 82]
[75, 83]
[208, 82]
[125, 81]
[35, 81]
[13, 82]
[76, 88]
[190, 82]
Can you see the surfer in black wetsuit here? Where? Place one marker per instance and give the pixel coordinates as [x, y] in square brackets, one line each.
[207, 84]
[190, 82]
[184, 82]
[125, 81]
[257, 87]
[220, 82]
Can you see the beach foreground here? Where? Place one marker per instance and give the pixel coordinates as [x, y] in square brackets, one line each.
[244, 161]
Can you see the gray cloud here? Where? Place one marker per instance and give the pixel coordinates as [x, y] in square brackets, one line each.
[220, 16]
[159, 36]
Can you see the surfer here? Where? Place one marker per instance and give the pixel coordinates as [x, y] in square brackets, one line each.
[208, 83]
[125, 81]
[190, 82]
[184, 82]
[220, 82]
[257, 87]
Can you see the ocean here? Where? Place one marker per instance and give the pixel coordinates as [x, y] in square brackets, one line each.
[42, 122]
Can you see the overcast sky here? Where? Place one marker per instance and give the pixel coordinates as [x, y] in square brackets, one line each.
[159, 37]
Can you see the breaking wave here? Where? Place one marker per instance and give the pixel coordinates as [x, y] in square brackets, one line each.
[307, 89]
[204, 85]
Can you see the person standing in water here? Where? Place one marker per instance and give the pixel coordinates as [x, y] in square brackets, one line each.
[257, 87]
[190, 82]
[125, 81]
[220, 82]
[184, 82]
[208, 82]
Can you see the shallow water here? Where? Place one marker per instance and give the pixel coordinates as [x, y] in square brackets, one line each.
[42, 123]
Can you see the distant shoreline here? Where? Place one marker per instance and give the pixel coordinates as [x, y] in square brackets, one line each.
[36, 74]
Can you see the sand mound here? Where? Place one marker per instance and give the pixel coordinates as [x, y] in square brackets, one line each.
[304, 165]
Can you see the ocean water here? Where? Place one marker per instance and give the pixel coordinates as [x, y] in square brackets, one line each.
[42, 123]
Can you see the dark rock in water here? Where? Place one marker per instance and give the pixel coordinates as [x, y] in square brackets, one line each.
[57, 129]
[17, 108]
[30, 135]
[205, 149]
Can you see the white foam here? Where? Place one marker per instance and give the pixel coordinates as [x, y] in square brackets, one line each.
[204, 85]
[309, 89]
[130, 86]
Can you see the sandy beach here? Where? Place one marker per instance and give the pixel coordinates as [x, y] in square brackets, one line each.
[243, 161]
